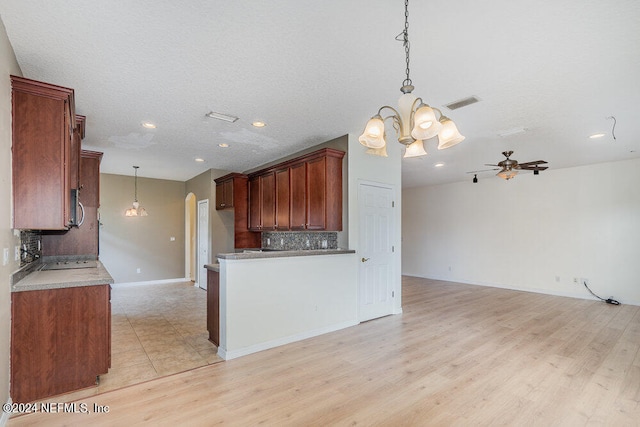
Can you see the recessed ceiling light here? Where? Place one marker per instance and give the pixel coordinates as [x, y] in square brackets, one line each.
[223, 145]
[148, 125]
[438, 165]
[199, 160]
[259, 124]
[596, 135]
[220, 116]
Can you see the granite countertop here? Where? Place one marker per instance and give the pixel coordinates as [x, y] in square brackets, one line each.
[258, 253]
[56, 279]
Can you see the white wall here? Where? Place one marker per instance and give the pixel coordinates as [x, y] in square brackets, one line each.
[270, 302]
[8, 66]
[532, 233]
[129, 243]
[385, 170]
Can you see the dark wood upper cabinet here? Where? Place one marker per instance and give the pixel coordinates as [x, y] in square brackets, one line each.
[76, 147]
[43, 127]
[232, 195]
[268, 201]
[283, 207]
[255, 209]
[314, 193]
[224, 193]
[83, 239]
[298, 194]
[262, 202]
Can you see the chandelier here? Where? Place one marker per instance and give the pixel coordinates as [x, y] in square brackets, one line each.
[414, 121]
[136, 209]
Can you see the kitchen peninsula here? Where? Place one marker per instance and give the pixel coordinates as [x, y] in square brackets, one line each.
[272, 298]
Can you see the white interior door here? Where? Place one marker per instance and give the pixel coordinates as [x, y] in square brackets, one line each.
[376, 251]
[203, 242]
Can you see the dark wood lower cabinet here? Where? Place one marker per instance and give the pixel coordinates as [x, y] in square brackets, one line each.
[60, 340]
[213, 306]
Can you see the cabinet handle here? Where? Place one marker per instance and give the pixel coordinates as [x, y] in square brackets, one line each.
[81, 218]
[222, 204]
[365, 259]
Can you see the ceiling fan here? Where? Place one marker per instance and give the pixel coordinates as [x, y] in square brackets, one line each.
[510, 168]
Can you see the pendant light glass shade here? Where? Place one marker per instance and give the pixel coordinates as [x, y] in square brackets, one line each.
[382, 151]
[406, 105]
[425, 123]
[136, 209]
[449, 134]
[373, 135]
[416, 149]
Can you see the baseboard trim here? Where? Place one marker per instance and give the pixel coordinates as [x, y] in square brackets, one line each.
[523, 289]
[150, 282]
[4, 419]
[233, 354]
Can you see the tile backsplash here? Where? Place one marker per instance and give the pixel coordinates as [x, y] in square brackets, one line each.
[30, 243]
[288, 240]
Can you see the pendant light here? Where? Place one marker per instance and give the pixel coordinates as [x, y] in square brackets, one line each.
[414, 120]
[136, 209]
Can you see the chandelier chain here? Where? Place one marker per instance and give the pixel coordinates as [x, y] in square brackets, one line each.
[407, 82]
[135, 184]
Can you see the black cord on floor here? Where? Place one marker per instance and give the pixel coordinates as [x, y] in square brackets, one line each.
[608, 300]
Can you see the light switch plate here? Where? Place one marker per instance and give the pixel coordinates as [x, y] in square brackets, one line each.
[5, 256]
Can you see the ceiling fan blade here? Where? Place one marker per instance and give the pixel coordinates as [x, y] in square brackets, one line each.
[536, 162]
[484, 170]
[533, 168]
[487, 164]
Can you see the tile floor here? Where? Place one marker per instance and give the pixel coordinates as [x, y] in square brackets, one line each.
[156, 330]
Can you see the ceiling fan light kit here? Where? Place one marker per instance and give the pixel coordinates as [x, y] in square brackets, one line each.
[414, 120]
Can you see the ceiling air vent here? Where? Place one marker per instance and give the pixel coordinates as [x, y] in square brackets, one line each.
[462, 103]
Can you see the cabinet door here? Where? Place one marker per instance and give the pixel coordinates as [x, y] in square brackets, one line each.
[81, 240]
[268, 196]
[255, 221]
[227, 190]
[298, 196]
[316, 194]
[213, 306]
[220, 196]
[71, 332]
[41, 150]
[282, 199]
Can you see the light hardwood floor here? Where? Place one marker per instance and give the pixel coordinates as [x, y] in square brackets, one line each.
[459, 355]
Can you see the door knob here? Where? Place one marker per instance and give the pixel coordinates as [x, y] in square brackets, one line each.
[365, 259]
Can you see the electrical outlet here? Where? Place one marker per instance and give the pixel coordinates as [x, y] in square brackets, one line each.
[576, 280]
[138, 270]
[16, 253]
[172, 239]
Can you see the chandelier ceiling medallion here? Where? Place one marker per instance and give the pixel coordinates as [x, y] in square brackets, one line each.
[414, 121]
[136, 209]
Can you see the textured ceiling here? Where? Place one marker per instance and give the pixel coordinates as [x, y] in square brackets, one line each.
[314, 71]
